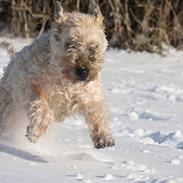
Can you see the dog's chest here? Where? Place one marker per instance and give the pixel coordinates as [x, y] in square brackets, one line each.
[63, 101]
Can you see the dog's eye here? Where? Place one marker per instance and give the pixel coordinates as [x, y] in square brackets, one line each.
[70, 46]
[93, 48]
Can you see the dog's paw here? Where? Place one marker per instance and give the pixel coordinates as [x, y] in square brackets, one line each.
[31, 136]
[104, 142]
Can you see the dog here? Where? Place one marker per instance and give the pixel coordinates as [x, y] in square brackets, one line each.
[59, 75]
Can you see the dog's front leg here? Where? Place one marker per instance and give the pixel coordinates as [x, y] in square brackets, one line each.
[96, 116]
[40, 117]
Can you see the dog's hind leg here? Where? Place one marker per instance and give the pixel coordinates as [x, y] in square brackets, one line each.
[6, 109]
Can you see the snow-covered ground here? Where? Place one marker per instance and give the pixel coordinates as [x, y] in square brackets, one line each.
[145, 97]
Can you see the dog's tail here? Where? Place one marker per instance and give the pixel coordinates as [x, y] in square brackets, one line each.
[9, 47]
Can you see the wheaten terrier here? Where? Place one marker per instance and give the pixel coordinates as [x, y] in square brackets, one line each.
[59, 75]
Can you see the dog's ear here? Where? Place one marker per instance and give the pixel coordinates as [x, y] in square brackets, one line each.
[59, 15]
[95, 10]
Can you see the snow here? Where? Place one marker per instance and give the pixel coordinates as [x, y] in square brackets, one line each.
[108, 177]
[79, 176]
[145, 97]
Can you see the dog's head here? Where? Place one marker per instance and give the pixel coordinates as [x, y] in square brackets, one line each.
[78, 43]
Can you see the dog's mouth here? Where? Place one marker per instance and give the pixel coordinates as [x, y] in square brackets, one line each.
[83, 81]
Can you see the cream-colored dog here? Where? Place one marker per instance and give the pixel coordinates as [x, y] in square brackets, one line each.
[59, 75]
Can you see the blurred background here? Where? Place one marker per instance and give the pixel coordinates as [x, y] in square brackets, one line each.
[130, 24]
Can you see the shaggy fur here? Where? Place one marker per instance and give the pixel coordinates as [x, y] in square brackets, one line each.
[9, 47]
[41, 79]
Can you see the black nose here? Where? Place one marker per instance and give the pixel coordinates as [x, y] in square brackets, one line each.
[82, 73]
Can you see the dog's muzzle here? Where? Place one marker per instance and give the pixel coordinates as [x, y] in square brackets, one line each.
[82, 73]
